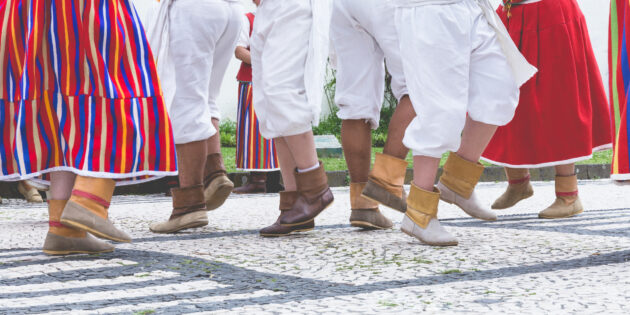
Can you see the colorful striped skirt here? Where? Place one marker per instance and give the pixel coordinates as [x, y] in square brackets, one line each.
[253, 152]
[79, 92]
[619, 78]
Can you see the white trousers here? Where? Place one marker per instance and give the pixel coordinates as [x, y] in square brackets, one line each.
[454, 66]
[363, 34]
[289, 51]
[203, 35]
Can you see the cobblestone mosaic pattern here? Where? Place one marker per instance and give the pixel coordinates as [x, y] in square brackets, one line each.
[519, 264]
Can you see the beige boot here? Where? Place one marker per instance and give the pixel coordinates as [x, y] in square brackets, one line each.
[217, 186]
[567, 202]
[64, 240]
[88, 208]
[519, 188]
[30, 193]
[385, 182]
[457, 186]
[365, 213]
[420, 220]
[189, 211]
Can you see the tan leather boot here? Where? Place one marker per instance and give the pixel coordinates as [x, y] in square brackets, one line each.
[365, 213]
[189, 211]
[29, 192]
[88, 207]
[287, 199]
[420, 220]
[567, 202]
[519, 188]
[64, 240]
[217, 186]
[314, 197]
[385, 182]
[457, 186]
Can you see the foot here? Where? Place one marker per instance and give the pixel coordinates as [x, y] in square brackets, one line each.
[251, 188]
[513, 194]
[217, 191]
[472, 206]
[277, 229]
[562, 208]
[369, 219]
[78, 217]
[434, 234]
[377, 192]
[63, 245]
[183, 222]
[306, 208]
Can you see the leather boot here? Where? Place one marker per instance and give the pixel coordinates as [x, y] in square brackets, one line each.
[519, 188]
[385, 182]
[88, 207]
[567, 202]
[365, 213]
[30, 193]
[64, 240]
[287, 199]
[420, 220]
[189, 211]
[314, 197]
[457, 186]
[217, 186]
[257, 183]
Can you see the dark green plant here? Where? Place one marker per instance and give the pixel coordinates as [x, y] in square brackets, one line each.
[228, 133]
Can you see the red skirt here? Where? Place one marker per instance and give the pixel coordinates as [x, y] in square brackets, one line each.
[563, 114]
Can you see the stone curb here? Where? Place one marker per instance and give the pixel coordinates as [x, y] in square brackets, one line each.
[338, 179]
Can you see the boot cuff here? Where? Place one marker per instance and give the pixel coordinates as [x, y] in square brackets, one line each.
[422, 205]
[460, 175]
[389, 169]
[566, 185]
[287, 199]
[312, 181]
[358, 202]
[188, 197]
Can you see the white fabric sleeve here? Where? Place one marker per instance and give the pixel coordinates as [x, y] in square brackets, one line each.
[243, 38]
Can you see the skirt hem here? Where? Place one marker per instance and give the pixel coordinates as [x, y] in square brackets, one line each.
[554, 163]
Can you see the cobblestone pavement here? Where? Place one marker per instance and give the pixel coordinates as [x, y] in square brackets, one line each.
[519, 264]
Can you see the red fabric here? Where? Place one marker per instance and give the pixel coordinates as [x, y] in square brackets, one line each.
[563, 111]
[95, 198]
[55, 224]
[245, 72]
[519, 181]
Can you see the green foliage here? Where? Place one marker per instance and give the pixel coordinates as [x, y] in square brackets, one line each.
[228, 133]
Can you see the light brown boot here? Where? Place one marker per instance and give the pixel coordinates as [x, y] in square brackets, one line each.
[88, 207]
[519, 188]
[64, 240]
[385, 182]
[287, 199]
[29, 192]
[420, 220]
[217, 186]
[189, 211]
[365, 213]
[314, 197]
[567, 202]
[457, 186]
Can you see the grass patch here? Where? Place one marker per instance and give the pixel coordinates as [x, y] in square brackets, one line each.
[339, 164]
[450, 271]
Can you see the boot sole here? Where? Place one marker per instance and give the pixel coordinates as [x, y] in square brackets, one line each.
[563, 217]
[307, 221]
[367, 225]
[429, 243]
[70, 252]
[190, 225]
[512, 205]
[285, 234]
[93, 231]
[219, 197]
[379, 194]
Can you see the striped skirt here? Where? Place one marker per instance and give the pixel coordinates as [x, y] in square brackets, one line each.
[79, 92]
[253, 152]
[619, 78]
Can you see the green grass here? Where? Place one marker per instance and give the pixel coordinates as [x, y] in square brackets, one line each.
[335, 164]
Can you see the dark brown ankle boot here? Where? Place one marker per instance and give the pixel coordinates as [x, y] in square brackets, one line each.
[287, 199]
[314, 197]
[256, 184]
[189, 211]
[217, 186]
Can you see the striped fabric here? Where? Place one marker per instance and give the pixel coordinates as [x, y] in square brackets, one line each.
[253, 152]
[79, 92]
[619, 69]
